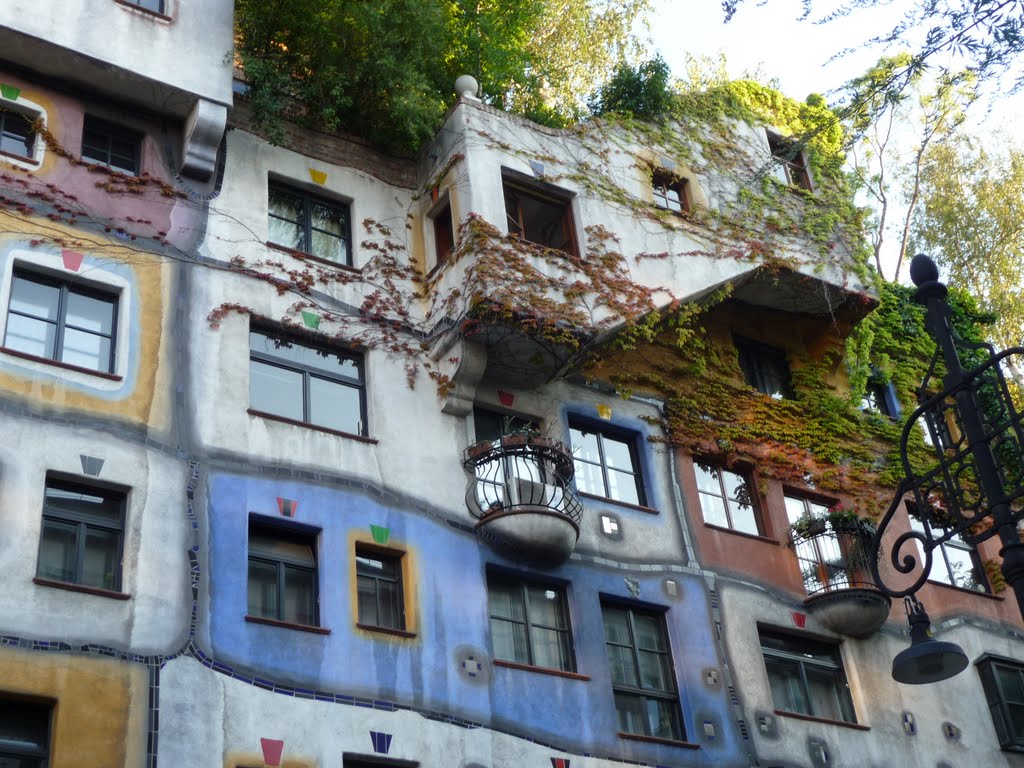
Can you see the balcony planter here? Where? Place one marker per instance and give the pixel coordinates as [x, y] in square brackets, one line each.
[478, 449]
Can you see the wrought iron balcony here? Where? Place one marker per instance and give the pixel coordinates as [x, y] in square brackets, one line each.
[834, 558]
[521, 493]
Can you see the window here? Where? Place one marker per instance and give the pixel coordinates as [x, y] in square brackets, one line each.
[670, 192]
[302, 222]
[643, 681]
[529, 623]
[606, 465]
[62, 321]
[16, 135]
[539, 218]
[726, 499]
[806, 676]
[82, 535]
[24, 733]
[1003, 681]
[444, 233]
[282, 573]
[313, 385]
[155, 6]
[955, 562]
[379, 588]
[823, 563]
[788, 153]
[764, 368]
[876, 399]
[111, 145]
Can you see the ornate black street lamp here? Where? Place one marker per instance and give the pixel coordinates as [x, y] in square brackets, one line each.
[973, 487]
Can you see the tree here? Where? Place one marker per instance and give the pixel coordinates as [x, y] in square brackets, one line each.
[878, 114]
[641, 91]
[971, 220]
[385, 69]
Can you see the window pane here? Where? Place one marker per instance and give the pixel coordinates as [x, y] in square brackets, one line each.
[330, 219]
[787, 688]
[275, 390]
[286, 233]
[649, 635]
[584, 446]
[589, 479]
[101, 558]
[647, 716]
[88, 313]
[622, 487]
[86, 350]
[829, 697]
[24, 725]
[707, 479]
[262, 589]
[550, 648]
[389, 605]
[1010, 684]
[335, 406]
[963, 572]
[616, 626]
[654, 671]
[328, 246]
[632, 714]
[275, 547]
[794, 508]
[285, 205]
[33, 337]
[546, 607]
[366, 587]
[35, 299]
[621, 664]
[509, 641]
[58, 550]
[506, 601]
[713, 509]
[617, 454]
[299, 591]
[744, 519]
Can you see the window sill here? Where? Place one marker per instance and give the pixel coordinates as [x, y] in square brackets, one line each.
[617, 503]
[19, 158]
[541, 670]
[964, 590]
[744, 534]
[83, 588]
[386, 630]
[288, 625]
[59, 364]
[307, 425]
[147, 11]
[824, 720]
[659, 740]
[311, 257]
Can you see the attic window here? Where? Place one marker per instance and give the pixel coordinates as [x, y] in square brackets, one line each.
[539, 217]
[764, 368]
[788, 153]
[670, 192]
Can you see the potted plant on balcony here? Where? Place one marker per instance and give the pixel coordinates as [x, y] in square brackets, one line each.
[841, 518]
[479, 448]
[808, 525]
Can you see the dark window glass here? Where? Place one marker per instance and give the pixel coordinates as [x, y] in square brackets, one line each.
[57, 320]
[823, 562]
[875, 399]
[606, 464]
[156, 6]
[16, 134]
[764, 368]
[1003, 681]
[727, 499]
[24, 733]
[302, 222]
[379, 588]
[806, 676]
[282, 574]
[111, 145]
[529, 623]
[444, 233]
[82, 533]
[643, 682]
[787, 152]
[539, 218]
[955, 562]
[308, 384]
[670, 193]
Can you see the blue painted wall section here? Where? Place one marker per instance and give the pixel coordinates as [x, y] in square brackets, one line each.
[429, 670]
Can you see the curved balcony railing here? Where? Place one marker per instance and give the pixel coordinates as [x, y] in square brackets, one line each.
[521, 493]
[834, 562]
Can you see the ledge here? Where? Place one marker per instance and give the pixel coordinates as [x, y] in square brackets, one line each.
[659, 740]
[617, 503]
[965, 591]
[823, 720]
[386, 630]
[59, 364]
[744, 534]
[83, 588]
[311, 257]
[541, 670]
[307, 425]
[146, 11]
[20, 158]
[288, 625]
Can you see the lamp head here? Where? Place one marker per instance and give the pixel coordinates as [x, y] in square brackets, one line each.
[927, 660]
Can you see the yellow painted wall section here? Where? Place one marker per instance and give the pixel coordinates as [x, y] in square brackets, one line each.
[410, 582]
[100, 706]
[148, 402]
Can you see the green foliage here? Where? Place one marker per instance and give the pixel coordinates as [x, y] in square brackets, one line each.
[641, 91]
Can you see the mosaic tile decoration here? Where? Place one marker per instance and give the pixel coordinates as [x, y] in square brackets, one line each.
[9, 91]
[318, 177]
[799, 619]
[381, 742]
[72, 260]
[559, 762]
[380, 534]
[311, 319]
[287, 507]
[91, 465]
[272, 750]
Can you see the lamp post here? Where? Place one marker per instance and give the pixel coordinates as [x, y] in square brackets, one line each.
[973, 487]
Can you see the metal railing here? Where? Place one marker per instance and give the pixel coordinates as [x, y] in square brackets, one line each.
[834, 555]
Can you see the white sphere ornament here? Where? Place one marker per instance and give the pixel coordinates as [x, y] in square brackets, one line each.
[466, 85]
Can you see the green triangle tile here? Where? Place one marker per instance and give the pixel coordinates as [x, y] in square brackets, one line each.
[380, 534]
[9, 91]
[311, 319]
